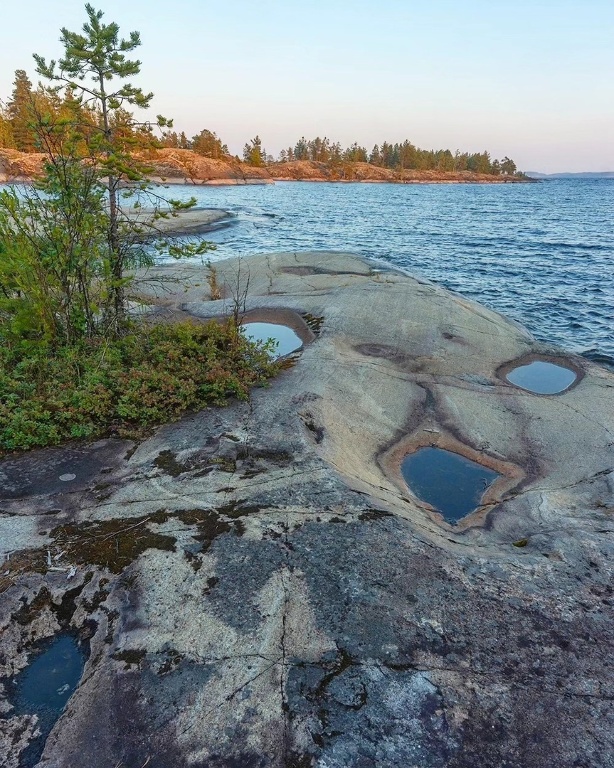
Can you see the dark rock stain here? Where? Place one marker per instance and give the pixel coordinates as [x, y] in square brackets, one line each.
[130, 658]
[311, 424]
[167, 462]
[374, 514]
[314, 322]
[112, 544]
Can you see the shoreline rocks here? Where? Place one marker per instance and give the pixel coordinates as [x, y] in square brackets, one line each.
[183, 166]
[193, 221]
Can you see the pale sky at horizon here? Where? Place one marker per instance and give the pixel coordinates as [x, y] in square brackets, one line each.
[531, 80]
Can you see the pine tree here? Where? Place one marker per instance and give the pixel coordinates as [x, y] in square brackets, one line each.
[170, 139]
[301, 150]
[335, 153]
[375, 158]
[253, 153]
[355, 154]
[20, 114]
[508, 167]
[208, 144]
[7, 140]
[99, 57]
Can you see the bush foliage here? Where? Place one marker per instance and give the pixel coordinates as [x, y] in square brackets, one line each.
[99, 387]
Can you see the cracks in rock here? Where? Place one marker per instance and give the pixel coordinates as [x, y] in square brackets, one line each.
[553, 489]
[279, 661]
[570, 530]
[230, 696]
[130, 501]
[352, 362]
[587, 418]
[295, 475]
[233, 657]
[235, 477]
[589, 479]
[344, 661]
[495, 680]
[285, 707]
[271, 273]
[494, 387]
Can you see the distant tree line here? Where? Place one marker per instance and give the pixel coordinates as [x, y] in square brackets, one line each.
[206, 143]
[26, 105]
[31, 116]
[397, 156]
[405, 156]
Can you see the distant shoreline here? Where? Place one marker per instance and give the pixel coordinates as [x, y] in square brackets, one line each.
[233, 182]
[181, 166]
[579, 175]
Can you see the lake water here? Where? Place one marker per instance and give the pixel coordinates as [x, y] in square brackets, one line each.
[542, 254]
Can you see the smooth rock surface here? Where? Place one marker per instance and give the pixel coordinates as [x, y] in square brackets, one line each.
[259, 587]
[190, 221]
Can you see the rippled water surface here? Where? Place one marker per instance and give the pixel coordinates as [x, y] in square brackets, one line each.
[542, 253]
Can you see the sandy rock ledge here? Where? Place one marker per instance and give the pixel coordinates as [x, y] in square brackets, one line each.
[257, 586]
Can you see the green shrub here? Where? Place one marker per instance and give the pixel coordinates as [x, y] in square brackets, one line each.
[97, 386]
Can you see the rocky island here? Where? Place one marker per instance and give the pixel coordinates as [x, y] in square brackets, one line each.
[259, 585]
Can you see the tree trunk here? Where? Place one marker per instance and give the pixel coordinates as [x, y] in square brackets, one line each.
[116, 298]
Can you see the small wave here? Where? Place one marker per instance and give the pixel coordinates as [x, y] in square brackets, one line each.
[595, 356]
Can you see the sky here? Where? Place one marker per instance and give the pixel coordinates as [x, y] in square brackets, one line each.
[533, 81]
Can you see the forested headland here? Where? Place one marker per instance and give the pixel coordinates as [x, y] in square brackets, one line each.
[204, 156]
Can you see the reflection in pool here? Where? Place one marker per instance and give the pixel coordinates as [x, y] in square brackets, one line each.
[287, 340]
[44, 687]
[542, 378]
[447, 481]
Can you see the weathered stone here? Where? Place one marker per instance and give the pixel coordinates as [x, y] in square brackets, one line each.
[281, 598]
[190, 221]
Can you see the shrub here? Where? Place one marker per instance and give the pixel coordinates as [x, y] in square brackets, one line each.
[97, 387]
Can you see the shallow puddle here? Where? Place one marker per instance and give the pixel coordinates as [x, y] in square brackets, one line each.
[542, 378]
[44, 687]
[286, 339]
[447, 481]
